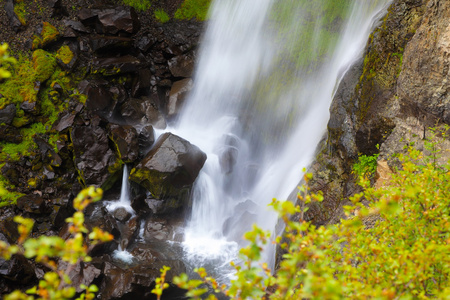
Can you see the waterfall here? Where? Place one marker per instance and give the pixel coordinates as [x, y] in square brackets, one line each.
[263, 87]
[124, 200]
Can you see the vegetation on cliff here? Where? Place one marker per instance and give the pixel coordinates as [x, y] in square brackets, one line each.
[398, 247]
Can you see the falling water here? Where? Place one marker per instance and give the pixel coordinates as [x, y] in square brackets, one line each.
[124, 200]
[264, 83]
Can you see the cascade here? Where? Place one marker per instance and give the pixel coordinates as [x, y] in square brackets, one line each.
[124, 200]
[263, 87]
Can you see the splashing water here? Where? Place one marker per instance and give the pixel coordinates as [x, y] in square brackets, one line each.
[264, 83]
[124, 200]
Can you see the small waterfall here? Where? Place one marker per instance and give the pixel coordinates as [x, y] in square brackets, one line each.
[124, 200]
[264, 83]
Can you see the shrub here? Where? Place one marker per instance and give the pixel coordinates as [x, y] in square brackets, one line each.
[398, 247]
[47, 249]
[366, 166]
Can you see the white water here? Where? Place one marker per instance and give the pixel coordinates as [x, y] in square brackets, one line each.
[124, 200]
[243, 105]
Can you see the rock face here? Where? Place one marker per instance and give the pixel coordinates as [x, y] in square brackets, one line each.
[169, 169]
[391, 97]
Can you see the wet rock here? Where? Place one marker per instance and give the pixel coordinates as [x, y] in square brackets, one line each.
[80, 273]
[182, 66]
[34, 204]
[99, 98]
[121, 214]
[93, 158]
[14, 21]
[228, 159]
[65, 121]
[7, 114]
[18, 269]
[102, 44]
[169, 169]
[177, 95]
[125, 139]
[145, 43]
[146, 139]
[180, 37]
[142, 111]
[142, 83]
[7, 225]
[115, 65]
[111, 20]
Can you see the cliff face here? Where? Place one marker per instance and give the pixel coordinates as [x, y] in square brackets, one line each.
[389, 98]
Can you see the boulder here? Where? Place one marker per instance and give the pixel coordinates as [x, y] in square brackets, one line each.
[32, 204]
[103, 44]
[99, 98]
[7, 114]
[111, 20]
[146, 139]
[10, 134]
[177, 95]
[18, 269]
[169, 169]
[125, 139]
[182, 65]
[80, 273]
[142, 111]
[115, 65]
[94, 160]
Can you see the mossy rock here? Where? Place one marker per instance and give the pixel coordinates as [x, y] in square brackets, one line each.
[44, 65]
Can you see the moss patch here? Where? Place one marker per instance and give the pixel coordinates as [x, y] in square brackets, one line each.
[44, 64]
[21, 11]
[64, 54]
[191, 9]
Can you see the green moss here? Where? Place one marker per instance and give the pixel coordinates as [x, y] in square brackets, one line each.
[48, 34]
[64, 54]
[139, 5]
[21, 11]
[44, 65]
[7, 194]
[161, 15]
[191, 9]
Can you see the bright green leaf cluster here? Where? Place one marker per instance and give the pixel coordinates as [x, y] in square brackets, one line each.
[397, 247]
[46, 249]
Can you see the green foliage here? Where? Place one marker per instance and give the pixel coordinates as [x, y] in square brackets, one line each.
[5, 58]
[48, 34]
[191, 9]
[161, 16]
[48, 249]
[366, 166]
[397, 247]
[139, 5]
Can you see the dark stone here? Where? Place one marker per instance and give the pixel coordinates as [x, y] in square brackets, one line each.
[77, 26]
[80, 273]
[33, 203]
[10, 134]
[125, 139]
[7, 114]
[12, 17]
[142, 83]
[177, 95]
[169, 169]
[101, 44]
[99, 97]
[181, 66]
[111, 20]
[93, 158]
[64, 122]
[116, 65]
[7, 225]
[121, 214]
[58, 10]
[142, 111]
[29, 107]
[145, 43]
[17, 269]
[146, 139]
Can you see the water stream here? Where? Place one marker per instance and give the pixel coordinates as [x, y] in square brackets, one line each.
[263, 87]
